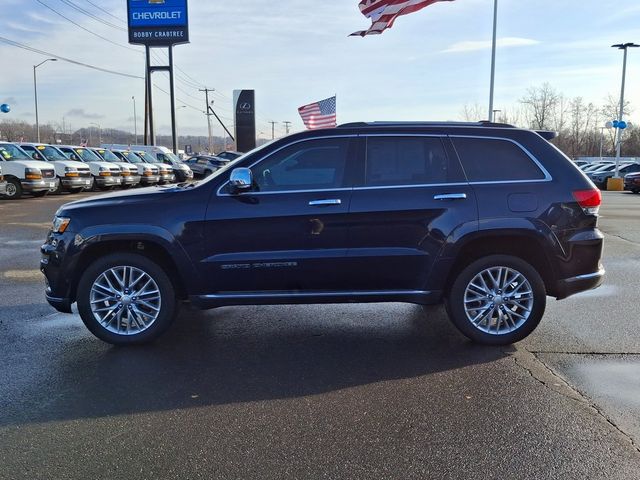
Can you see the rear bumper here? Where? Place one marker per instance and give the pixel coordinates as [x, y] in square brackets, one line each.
[49, 184]
[570, 286]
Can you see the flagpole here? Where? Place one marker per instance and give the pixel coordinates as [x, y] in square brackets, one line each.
[493, 59]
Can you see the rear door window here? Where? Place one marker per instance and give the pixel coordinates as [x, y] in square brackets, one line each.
[495, 160]
[409, 160]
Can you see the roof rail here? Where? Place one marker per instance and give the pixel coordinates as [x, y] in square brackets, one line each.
[483, 123]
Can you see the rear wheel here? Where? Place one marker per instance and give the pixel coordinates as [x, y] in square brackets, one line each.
[497, 300]
[126, 299]
[14, 189]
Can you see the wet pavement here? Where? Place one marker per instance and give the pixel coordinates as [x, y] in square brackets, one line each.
[333, 391]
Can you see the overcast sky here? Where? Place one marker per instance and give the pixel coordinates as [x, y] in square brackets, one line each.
[292, 52]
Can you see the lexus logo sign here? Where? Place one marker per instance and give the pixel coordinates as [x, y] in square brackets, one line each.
[245, 106]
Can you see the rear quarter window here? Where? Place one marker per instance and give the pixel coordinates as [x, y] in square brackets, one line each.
[495, 160]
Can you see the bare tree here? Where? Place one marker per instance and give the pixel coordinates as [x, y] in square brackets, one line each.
[540, 104]
[472, 113]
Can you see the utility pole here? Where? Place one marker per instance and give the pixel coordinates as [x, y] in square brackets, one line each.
[35, 93]
[493, 58]
[273, 130]
[287, 124]
[208, 114]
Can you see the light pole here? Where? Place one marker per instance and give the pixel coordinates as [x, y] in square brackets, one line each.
[625, 47]
[99, 132]
[135, 120]
[493, 56]
[493, 117]
[607, 126]
[35, 92]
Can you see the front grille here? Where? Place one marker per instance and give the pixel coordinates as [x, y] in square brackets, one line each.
[84, 173]
[48, 173]
[115, 173]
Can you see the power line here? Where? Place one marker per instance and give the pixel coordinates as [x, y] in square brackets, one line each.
[105, 11]
[64, 59]
[87, 30]
[89, 14]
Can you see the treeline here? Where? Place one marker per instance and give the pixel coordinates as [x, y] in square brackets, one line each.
[580, 124]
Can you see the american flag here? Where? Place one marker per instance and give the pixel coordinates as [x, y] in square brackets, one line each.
[384, 12]
[320, 114]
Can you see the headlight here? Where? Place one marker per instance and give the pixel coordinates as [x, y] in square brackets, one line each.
[60, 224]
[32, 174]
[104, 172]
[71, 172]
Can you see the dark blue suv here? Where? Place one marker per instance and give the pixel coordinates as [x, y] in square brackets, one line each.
[488, 218]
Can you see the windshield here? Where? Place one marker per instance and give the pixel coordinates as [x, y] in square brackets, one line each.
[145, 157]
[51, 153]
[108, 155]
[86, 155]
[132, 157]
[11, 152]
[172, 157]
[228, 155]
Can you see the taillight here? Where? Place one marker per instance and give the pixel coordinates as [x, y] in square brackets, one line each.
[589, 200]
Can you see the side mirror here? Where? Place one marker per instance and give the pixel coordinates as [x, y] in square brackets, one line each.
[241, 179]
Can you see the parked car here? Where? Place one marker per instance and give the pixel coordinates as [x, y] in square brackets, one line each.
[130, 176]
[228, 155]
[632, 182]
[600, 177]
[149, 174]
[486, 218]
[106, 175]
[23, 174]
[73, 176]
[3, 184]
[592, 167]
[205, 165]
[167, 174]
[160, 155]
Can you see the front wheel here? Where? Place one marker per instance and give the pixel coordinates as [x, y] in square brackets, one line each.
[14, 189]
[497, 300]
[126, 299]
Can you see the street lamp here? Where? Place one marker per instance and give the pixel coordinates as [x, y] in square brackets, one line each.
[625, 47]
[35, 92]
[135, 120]
[493, 117]
[99, 132]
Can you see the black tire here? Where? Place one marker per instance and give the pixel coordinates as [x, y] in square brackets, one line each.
[207, 173]
[14, 189]
[169, 304]
[514, 332]
[40, 194]
[76, 190]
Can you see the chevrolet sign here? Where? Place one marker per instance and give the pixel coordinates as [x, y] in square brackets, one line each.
[158, 22]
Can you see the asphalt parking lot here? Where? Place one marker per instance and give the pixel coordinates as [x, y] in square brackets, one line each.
[338, 391]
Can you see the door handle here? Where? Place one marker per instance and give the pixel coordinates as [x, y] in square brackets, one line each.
[322, 203]
[450, 196]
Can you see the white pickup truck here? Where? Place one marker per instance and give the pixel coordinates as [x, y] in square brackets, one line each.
[24, 174]
[74, 176]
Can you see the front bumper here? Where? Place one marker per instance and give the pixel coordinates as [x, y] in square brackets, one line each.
[183, 175]
[581, 283]
[46, 184]
[130, 180]
[3, 188]
[58, 274]
[107, 181]
[149, 179]
[76, 182]
[168, 178]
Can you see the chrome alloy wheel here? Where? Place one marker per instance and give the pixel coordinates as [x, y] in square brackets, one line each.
[11, 190]
[125, 300]
[498, 300]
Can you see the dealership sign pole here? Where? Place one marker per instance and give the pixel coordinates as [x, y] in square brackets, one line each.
[158, 23]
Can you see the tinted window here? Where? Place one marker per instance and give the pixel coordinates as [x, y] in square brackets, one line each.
[489, 160]
[408, 161]
[316, 164]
